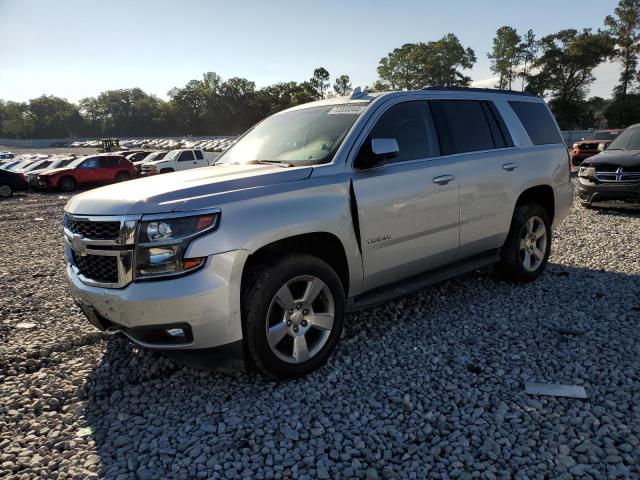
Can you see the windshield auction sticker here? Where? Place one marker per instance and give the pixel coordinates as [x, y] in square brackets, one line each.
[347, 110]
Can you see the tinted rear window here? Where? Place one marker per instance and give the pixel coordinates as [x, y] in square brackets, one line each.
[537, 121]
[198, 154]
[462, 126]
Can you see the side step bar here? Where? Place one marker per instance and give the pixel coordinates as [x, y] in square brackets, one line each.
[404, 287]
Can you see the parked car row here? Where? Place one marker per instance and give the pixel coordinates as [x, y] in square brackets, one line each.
[216, 145]
[66, 173]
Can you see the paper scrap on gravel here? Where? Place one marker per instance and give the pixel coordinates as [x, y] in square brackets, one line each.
[555, 390]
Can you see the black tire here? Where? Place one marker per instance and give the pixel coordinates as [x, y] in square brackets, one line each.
[512, 265]
[5, 190]
[166, 170]
[122, 177]
[259, 292]
[67, 184]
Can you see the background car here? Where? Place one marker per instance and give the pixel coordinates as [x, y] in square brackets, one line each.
[6, 155]
[11, 182]
[152, 157]
[177, 160]
[592, 144]
[613, 174]
[93, 170]
[61, 162]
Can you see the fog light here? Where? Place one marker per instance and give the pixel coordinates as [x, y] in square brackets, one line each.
[175, 332]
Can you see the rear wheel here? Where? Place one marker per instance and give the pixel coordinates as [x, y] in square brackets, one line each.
[122, 177]
[5, 191]
[526, 251]
[293, 314]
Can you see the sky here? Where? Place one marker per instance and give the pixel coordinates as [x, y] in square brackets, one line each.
[79, 48]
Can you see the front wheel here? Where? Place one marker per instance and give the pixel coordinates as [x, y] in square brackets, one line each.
[67, 184]
[293, 314]
[526, 252]
[5, 191]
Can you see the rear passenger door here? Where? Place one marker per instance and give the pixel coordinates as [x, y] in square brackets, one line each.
[473, 133]
[106, 171]
[200, 160]
[408, 207]
[186, 160]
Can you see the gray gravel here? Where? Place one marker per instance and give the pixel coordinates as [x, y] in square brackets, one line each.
[431, 385]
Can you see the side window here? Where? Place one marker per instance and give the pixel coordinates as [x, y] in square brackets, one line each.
[198, 154]
[108, 162]
[90, 163]
[186, 155]
[537, 121]
[410, 123]
[462, 126]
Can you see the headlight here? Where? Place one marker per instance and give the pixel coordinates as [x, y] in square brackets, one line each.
[162, 242]
[587, 172]
[576, 145]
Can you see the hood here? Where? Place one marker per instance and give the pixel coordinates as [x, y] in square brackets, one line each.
[593, 142]
[54, 171]
[178, 191]
[628, 158]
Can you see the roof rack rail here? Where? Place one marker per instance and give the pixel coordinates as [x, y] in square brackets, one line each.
[480, 90]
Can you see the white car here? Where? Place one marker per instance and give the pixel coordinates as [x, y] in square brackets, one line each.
[177, 160]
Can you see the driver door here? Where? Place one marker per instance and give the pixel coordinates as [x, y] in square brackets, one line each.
[408, 206]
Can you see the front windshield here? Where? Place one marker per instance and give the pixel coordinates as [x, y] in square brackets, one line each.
[172, 155]
[309, 136]
[629, 139]
[42, 164]
[601, 136]
[77, 162]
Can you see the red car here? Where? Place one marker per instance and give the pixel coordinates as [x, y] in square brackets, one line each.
[97, 169]
[590, 145]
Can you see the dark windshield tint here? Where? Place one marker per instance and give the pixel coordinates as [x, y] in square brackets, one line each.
[307, 136]
[629, 139]
[537, 121]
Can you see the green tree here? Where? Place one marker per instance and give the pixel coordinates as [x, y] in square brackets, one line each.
[320, 82]
[565, 71]
[528, 55]
[342, 85]
[436, 63]
[624, 28]
[505, 56]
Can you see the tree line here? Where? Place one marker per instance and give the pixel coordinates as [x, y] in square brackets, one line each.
[559, 66]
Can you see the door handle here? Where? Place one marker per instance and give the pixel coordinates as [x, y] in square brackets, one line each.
[444, 179]
[509, 167]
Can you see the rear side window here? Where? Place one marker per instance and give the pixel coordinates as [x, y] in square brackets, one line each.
[107, 162]
[462, 126]
[198, 154]
[410, 123]
[186, 155]
[537, 121]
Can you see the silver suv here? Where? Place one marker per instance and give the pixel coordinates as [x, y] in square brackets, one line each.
[319, 209]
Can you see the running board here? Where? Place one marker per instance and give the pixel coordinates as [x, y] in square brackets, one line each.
[404, 287]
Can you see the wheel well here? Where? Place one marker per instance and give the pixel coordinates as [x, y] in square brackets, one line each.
[166, 170]
[541, 195]
[325, 246]
[123, 171]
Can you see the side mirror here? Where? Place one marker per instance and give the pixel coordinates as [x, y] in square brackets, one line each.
[384, 148]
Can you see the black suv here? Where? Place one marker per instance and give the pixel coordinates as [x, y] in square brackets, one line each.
[613, 174]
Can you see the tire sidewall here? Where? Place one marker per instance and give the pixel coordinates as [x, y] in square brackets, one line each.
[10, 190]
[71, 184]
[522, 215]
[258, 302]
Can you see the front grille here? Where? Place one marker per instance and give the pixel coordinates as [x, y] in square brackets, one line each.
[617, 174]
[98, 268]
[95, 230]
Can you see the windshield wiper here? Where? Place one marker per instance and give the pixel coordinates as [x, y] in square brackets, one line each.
[271, 162]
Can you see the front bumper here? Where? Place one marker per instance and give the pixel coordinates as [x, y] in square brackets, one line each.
[590, 191]
[205, 304]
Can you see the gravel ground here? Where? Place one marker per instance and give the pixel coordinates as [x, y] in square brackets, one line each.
[430, 385]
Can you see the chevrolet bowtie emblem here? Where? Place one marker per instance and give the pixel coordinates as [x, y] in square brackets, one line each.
[78, 245]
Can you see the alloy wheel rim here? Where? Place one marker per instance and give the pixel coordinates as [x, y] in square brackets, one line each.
[5, 191]
[533, 244]
[300, 319]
